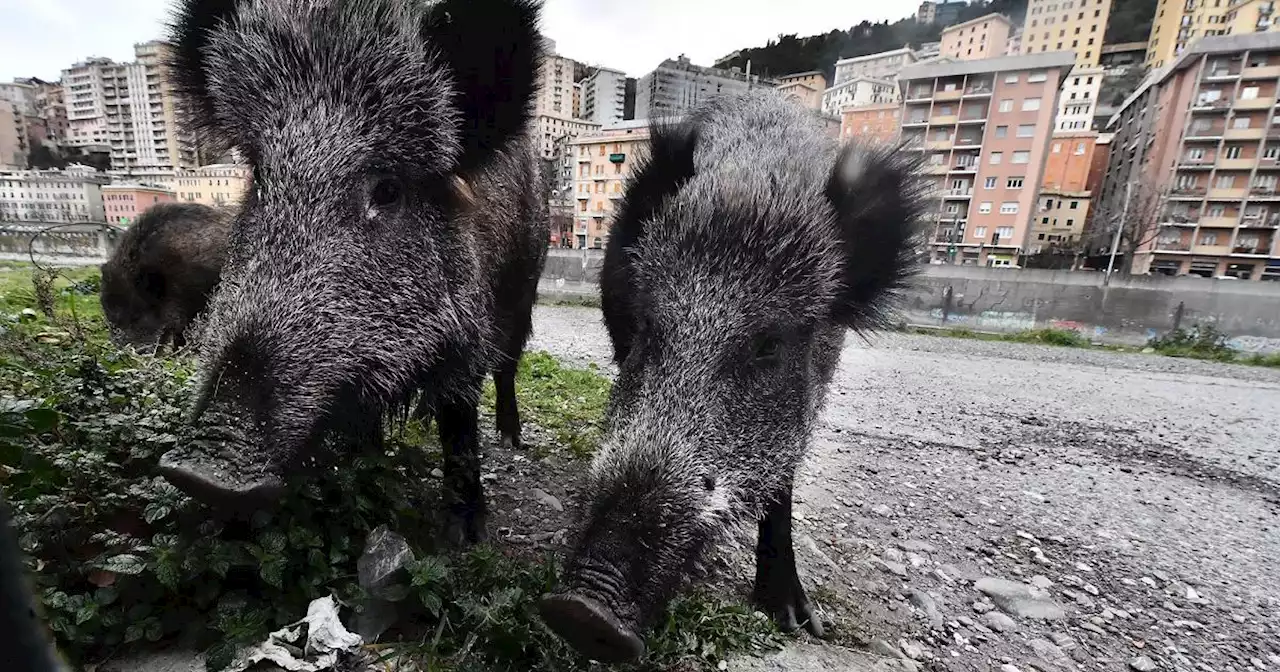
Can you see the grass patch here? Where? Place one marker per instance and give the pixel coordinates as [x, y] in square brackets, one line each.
[1061, 337]
[120, 559]
[567, 402]
[1272, 360]
[1198, 342]
[570, 300]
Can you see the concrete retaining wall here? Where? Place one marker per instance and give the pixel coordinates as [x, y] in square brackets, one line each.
[71, 241]
[1129, 311]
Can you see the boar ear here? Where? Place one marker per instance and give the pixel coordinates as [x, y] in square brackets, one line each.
[190, 26]
[494, 50]
[878, 196]
[667, 166]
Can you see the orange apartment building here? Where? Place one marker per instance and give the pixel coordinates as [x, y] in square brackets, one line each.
[804, 87]
[871, 122]
[1204, 136]
[985, 128]
[124, 202]
[976, 39]
[1066, 191]
[603, 161]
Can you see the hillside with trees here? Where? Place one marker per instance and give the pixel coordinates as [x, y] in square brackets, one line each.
[1130, 21]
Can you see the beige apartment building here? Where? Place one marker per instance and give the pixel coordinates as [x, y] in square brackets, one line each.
[214, 185]
[141, 113]
[82, 91]
[1202, 136]
[858, 92]
[984, 128]
[805, 88]
[13, 137]
[983, 37]
[1177, 25]
[550, 128]
[603, 161]
[1075, 25]
[54, 196]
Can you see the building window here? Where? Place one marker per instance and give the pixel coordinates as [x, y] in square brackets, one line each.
[1030, 104]
[1023, 156]
[980, 231]
[1226, 181]
[996, 157]
[1057, 147]
[1037, 77]
[1026, 130]
[1233, 152]
[984, 208]
[1009, 208]
[1005, 231]
[990, 183]
[1006, 105]
[1002, 131]
[1015, 183]
[1079, 148]
[1011, 78]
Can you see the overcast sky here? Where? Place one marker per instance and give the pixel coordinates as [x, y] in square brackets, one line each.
[41, 37]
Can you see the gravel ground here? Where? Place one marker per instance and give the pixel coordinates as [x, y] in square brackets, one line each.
[972, 505]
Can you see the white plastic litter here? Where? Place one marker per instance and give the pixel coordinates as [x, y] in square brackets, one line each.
[326, 636]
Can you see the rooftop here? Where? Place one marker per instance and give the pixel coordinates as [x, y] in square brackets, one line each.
[796, 75]
[995, 16]
[1123, 46]
[1062, 60]
[869, 57]
[859, 79]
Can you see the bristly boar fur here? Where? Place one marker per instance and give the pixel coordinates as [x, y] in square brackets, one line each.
[393, 238]
[746, 245]
[162, 273]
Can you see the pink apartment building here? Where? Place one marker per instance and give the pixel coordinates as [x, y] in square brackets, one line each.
[984, 127]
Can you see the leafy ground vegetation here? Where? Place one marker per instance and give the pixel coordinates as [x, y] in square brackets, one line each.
[1198, 342]
[121, 559]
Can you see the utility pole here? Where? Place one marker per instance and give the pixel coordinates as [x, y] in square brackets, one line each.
[1115, 240]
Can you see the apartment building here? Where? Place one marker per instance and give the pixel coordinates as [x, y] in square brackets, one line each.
[1201, 135]
[1177, 25]
[1066, 191]
[871, 122]
[82, 91]
[857, 92]
[141, 113]
[806, 88]
[884, 65]
[983, 37]
[928, 12]
[603, 161]
[13, 137]
[1014, 46]
[51, 107]
[551, 128]
[555, 83]
[984, 127]
[123, 203]
[1076, 25]
[54, 196]
[944, 12]
[604, 96]
[678, 85]
[1079, 101]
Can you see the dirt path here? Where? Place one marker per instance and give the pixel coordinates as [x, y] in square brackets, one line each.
[1135, 499]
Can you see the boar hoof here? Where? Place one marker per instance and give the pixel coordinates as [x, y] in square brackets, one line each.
[790, 608]
[219, 486]
[462, 529]
[511, 442]
[591, 628]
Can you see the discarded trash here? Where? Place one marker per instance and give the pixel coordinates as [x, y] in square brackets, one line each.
[326, 637]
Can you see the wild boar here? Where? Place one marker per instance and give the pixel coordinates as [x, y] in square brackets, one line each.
[393, 239]
[165, 267]
[747, 244]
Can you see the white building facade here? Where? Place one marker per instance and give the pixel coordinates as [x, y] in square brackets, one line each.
[83, 86]
[53, 196]
[678, 85]
[604, 96]
[1079, 100]
[858, 92]
[884, 65]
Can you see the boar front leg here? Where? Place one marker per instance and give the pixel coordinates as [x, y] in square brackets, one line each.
[463, 496]
[778, 591]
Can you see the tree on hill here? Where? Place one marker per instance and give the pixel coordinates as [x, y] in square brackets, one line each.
[790, 53]
[1130, 21]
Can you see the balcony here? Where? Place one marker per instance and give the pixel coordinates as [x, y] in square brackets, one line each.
[1218, 222]
[965, 168]
[936, 169]
[1211, 249]
[956, 94]
[1222, 74]
[1173, 246]
[1263, 192]
[1261, 72]
[959, 192]
[976, 90]
[1196, 192]
[973, 119]
[939, 144]
[920, 95]
[1236, 164]
[1218, 193]
[1252, 250]
[1244, 133]
[1204, 163]
[1259, 103]
[944, 120]
[1260, 222]
[1208, 133]
[968, 141]
[1210, 105]
[910, 123]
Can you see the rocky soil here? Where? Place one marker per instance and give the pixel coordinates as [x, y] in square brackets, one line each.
[973, 505]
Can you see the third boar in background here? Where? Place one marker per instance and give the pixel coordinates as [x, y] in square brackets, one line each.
[746, 246]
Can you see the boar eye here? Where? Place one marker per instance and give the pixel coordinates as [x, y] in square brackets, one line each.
[767, 348]
[385, 192]
[709, 481]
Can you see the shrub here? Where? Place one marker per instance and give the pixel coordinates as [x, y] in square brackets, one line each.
[1049, 336]
[1199, 342]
